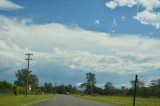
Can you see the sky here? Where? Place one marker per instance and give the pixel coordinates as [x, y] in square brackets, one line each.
[114, 39]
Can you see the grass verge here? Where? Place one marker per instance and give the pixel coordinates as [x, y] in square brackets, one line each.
[22, 100]
[124, 101]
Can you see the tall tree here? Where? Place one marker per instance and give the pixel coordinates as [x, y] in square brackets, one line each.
[21, 76]
[91, 81]
[109, 88]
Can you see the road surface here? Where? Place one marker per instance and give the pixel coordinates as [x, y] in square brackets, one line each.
[67, 100]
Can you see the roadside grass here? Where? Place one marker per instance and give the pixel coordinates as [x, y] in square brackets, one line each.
[22, 100]
[124, 101]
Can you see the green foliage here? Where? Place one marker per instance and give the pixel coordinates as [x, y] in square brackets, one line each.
[19, 90]
[155, 87]
[5, 88]
[36, 91]
[61, 89]
[90, 83]
[109, 88]
[48, 88]
[21, 76]
[33, 81]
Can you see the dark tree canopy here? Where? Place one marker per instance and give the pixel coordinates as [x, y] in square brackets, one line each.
[21, 76]
[90, 84]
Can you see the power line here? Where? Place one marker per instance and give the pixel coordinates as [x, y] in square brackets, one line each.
[28, 59]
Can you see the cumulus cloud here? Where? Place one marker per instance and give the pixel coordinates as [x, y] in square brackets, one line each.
[120, 3]
[8, 5]
[149, 18]
[75, 48]
[147, 4]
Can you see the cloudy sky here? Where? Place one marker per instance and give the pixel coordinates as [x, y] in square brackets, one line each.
[115, 39]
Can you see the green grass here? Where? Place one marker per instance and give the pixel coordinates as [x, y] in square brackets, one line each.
[22, 100]
[124, 101]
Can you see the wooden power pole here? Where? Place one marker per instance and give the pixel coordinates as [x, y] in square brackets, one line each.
[135, 89]
[28, 59]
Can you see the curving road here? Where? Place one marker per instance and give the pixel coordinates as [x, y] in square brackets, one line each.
[67, 100]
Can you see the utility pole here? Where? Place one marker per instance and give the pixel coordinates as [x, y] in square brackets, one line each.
[28, 59]
[135, 88]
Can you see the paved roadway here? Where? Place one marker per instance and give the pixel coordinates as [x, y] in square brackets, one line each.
[67, 100]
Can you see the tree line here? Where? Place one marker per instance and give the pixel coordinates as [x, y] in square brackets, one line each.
[19, 85]
[87, 88]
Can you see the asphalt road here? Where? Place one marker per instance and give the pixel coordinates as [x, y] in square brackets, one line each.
[67, 100]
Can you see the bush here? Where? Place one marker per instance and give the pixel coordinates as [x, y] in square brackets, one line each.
[19, 90]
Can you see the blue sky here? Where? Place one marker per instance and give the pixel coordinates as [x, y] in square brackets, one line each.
[115, 39]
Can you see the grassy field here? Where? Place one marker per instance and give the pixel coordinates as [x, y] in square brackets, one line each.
[124, 101]
[21, 100]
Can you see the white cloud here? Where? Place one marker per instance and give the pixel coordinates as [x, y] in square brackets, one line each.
[149, 18]
[75, 48]
[120, 3]
[8, 5]
[112, 4]
[147, 4]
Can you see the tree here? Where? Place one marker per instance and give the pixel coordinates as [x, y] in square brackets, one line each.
[155, 87]
[48, 87]
[61, 89]
[140, 87]
[109, 88]
[124, 90]
[21, 76]
[5, 87]
[33, 81]
[98, 90]
[70, 89]
[91, 81]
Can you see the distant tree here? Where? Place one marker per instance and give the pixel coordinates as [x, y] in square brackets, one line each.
[21, 76]
[5, 87]
[48, 87]
[98, 91]
[90, 84]
[140, 84]
[82, 87]
[33, 81]
[140, 87]
[124, 90]
[155, 87]
[109, 88]
[61, 89]
[71, 89]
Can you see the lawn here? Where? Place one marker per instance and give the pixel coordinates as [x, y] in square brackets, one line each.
[124, 101]
[22, 100]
